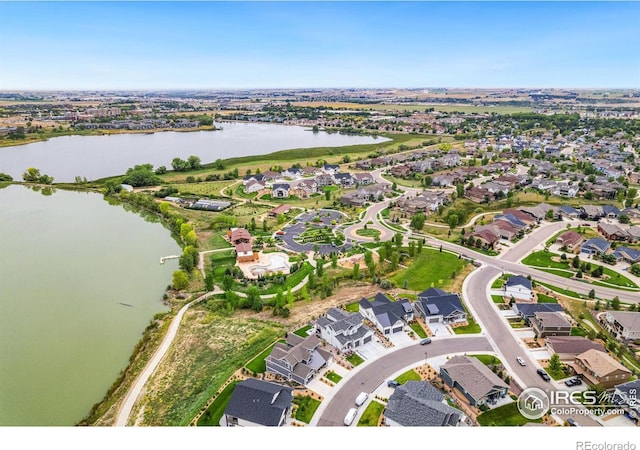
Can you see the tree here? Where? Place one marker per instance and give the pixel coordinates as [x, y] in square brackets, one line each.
[576, 262]
[254, 300]
[334, 260]
[452, 220]
[194, 162]
[555, 365]
[417, 221]
[161, 170]
[615, 303]
[592, 293]
[356, 271]
[420, 244]
[320, 268]
[549, 214]
[180, 280]
[179, 165]
[209, 281]
[370, 263]
[227, 282]
[290, 297]
[623, 218]
[327, 194]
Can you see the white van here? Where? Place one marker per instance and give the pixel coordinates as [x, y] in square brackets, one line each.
[348, 419]
[360, 399]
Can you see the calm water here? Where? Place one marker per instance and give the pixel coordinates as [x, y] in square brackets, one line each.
[95, 157]
[67, 263]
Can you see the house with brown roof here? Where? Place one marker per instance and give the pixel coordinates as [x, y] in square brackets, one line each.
[245, 253]
[478, 195]
[568, 347]
[600, 369]
[238, 235]
[612, 231]
[486, 237]
[299, 360]
[281, 209]
[570, 239]
[474, 380]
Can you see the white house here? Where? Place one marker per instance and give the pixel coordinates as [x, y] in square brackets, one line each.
[343, 330]
[518, 287]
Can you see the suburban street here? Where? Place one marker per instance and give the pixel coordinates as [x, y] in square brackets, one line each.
[377, 372]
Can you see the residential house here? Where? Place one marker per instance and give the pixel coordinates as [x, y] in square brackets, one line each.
[401, 171]
[255, 177]
[570, 239]
[631, 213]
[254, 186]
[520, 215]
[518, 287]
[258, 403]
[331, 169]
[538, 212]
[420, 404]
[352, 199]
[567, 211]
[568, 347]
[344, 179]
[238, 235]
[306, 188]
[623, 325]
[550, 324]
[280, 209]
[513, 220]
[592, 212]
[474, 380]
[363, 178]
[280, 190]
[299, 360]
[566, 190]
[324, 180]
[311, 171]
[343, 330]
[292, 173]
[436, 306]
[612, 231]
[528, 310]
[388, 316]
[245, 253]
[628, 254]
[476, 194]
[627, 396]
[363, 165]
[600, 369]
[610, 211]
[270, 175]
[595, 246]
[486, 237]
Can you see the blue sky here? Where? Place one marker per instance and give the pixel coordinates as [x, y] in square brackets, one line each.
[220, 45]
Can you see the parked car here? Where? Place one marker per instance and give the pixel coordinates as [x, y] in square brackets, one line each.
[425, 341]
[521, 361]
[393, 383]
[361, 398]
[348, 419]
[572, 422]
[573, 382]
[545, 376]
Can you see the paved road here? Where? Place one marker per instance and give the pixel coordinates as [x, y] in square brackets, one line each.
[377, 372]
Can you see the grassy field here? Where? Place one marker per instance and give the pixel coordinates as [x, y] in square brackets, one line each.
[370, 232]
[546, 299]
[307, 407]
[204, 188]
[212, 416]
[507, 415]
[543, 259]
[371, 415]
[419, 107]
[352, 307]
[207, 350]
[497, 298]
[430, 268]
[409, 375]
[487, 360]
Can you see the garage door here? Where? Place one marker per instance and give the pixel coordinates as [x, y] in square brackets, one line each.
[368, 339]
[434, 320]
[395, 330]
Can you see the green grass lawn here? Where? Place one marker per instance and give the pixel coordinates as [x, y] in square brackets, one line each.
[417, 328]
[371, 415]
[471, 328]
[216, 241]
[577, 331]
[306, 408]
[352, 307]
[543, 259]
[370, 232]
[546, 299]
[516, 323]
[497, 298]
[430, 268]
[212, 416]
[302, 332]
[487, 360]
[332, 376]
[409, 375]
[562, 291]
[257, 364]
[499, 282]
[507, 415]
[355, 359]
[558, 374]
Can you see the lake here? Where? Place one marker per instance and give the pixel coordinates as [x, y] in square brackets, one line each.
[95, 157]
[80, 281]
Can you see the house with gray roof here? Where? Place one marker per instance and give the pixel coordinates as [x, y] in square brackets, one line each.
[419, 404]
[623, 325]
[612, 232]
[280, 190]
[388, 316]
[628, 254]
[343, 330]
[567, 211]
[436, 306]
[527, 310]
[474, 380]
[299, 360]
[627, 396]
[550, 324]
[592, 212]
[595, 246]
[258, 403]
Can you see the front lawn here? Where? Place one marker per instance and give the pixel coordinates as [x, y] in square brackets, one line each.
[577, 331]
[497, 298]
[471, 328]
[546, 299]
[409, 375]
[306, 408]
[355, 359]
[543, 259]
[332, 376]
[430, 268]
[212, 416]
[352, 307]
[417, 328]
[487, 360]
[371, 415]
[302, 332]
[507, 415]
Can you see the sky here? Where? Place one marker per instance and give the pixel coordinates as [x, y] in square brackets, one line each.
[237, 45]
